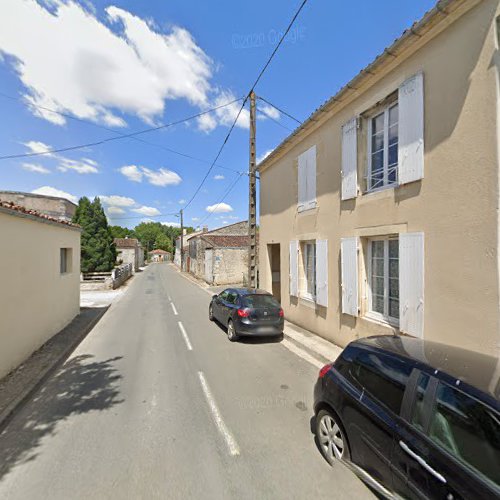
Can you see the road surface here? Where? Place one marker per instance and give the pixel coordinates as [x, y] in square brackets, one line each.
[157, 403]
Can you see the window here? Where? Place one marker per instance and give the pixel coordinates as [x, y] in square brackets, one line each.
[383, 278]
[384, 377]
[65, 263]
[232, 298]
[260, 301]
[383, 136]
[418, 417]
[468, 430]
[308, 285]
[307, 180]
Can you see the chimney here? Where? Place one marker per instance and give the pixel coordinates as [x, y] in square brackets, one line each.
[205, 229]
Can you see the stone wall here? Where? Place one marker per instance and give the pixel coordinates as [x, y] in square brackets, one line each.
[230, 265]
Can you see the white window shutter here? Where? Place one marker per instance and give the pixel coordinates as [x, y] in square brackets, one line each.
[322, 272]
[311, 177]
[349, 170]
[349, 267]
[411, 129]
[411, 283]
[294, 268]
[302, 181]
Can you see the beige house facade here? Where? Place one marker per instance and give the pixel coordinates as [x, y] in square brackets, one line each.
[386, 219]
[40, 292]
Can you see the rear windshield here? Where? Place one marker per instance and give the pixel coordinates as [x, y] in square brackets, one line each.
[260, 301]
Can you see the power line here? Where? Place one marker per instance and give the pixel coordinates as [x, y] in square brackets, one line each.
[123, 136]
[280, 110]
[290, 24]
[89, 122]
[274, 120]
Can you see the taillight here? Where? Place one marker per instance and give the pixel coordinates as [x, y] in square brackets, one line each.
[281, 313]
[325, 370]
[243, 313]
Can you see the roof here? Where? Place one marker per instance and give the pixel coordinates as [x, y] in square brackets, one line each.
[226, 240]
[409, 37]
[13, 209]
[34, 195]
[224, 227]
[126, 242]
[479, 370]
[158, 251]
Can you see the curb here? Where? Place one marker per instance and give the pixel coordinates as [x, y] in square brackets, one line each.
[26, 395]
[315, 354]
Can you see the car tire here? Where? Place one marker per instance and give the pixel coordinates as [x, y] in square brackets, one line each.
[331, 437]
[210, 313]
[231, 332]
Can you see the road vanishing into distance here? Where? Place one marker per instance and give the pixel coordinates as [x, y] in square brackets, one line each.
[157, 403]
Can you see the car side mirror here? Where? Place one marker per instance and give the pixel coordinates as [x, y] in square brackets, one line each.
[214, 296]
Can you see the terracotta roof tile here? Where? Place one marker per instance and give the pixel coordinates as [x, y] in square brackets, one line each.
[34, 213]
[223, 240]
[126, 242]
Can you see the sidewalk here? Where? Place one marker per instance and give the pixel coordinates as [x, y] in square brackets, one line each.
[304, 343]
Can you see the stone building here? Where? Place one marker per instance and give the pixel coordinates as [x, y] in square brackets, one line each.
[40, 291]
[53, 206]
[129, 251]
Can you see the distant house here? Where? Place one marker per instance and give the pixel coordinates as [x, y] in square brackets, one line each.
[186, 239]
[40, 290]
[220, 256]
[129, 251]
[53, 206]
[159, 255]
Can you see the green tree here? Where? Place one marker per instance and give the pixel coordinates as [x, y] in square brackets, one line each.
[122, 232]
[98, 252]
[163, 242]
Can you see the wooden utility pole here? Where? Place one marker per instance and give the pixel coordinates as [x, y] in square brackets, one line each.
[182, 241]
[252, 201]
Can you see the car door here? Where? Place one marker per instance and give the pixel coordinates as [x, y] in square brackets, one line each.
[218, 306]
[371, 422]
[231, 305]
[449, 445]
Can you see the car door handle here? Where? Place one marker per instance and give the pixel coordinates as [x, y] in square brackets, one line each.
[422, 462]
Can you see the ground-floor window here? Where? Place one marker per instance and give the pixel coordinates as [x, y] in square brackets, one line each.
[308, 282]
[383, 279]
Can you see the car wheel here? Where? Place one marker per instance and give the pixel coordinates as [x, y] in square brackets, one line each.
[331, 437]
[231, 332]
[210, 313]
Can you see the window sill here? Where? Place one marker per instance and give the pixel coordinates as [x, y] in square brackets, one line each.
[381, 320]
[380, 189]
[301, 210]
[308, 301]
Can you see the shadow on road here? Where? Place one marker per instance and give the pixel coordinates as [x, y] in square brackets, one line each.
[79, 386]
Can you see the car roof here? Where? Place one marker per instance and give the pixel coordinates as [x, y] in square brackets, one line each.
[481, 371]
[250, 291]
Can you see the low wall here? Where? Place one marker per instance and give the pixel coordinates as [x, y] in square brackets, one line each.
[107, 280]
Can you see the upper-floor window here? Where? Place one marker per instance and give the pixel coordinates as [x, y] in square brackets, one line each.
[308, 285]
[383, 148]
[307, 180]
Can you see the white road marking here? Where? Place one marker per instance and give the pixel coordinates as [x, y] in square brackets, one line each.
[221, 426]
[303, 354]
[185, 335]
[174, 309]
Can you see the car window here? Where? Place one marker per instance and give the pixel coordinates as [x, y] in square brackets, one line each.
[384, 377]
[223, 295]
[467, 429]
[260, 301]
[232, 297]
[417, 415]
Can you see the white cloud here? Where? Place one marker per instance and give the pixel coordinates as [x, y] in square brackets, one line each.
[115, 210]
[172, 224]
[32, 167]
[182, 202]
[52, 191]
[264, 156]
[269, 112]
[83, 166]
[132, 173]
[195, 219]
[132, 68]
[219, 177]
[38, 146]
[226, 115]
[225, 222]
[149, 211]
[219, 208]
[117, 201]
[161, 177]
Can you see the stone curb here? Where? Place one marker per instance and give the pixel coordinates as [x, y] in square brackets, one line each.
[50, 361]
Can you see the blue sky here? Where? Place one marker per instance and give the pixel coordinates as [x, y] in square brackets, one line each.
[128, 65]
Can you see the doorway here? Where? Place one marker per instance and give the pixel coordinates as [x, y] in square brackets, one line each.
[274, 253]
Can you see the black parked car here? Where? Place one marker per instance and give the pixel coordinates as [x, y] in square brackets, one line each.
[420, 418]
[247, 311]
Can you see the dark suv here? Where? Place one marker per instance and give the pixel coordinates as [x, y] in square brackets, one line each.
[417, 418]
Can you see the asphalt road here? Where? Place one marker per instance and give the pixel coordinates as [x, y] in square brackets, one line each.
[157, 403]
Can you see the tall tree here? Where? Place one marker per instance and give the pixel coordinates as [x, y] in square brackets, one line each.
[122, 232]
[98, 252]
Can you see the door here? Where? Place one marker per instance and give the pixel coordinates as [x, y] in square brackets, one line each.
[218, 306]
[274, 253]
[209, 266]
